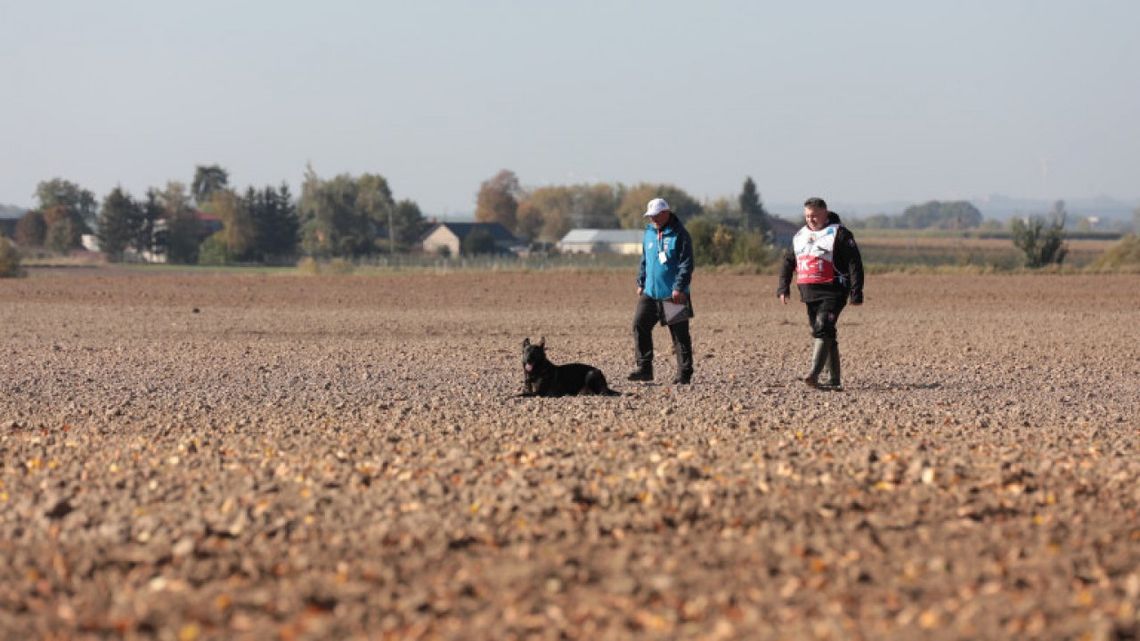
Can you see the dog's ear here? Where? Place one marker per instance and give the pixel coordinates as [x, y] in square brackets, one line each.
[542, 342]
[526, 342]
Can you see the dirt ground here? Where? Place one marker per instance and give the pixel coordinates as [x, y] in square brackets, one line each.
[192, 456]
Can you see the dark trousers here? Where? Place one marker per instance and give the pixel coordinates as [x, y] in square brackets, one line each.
[823, 315]
[648, 314]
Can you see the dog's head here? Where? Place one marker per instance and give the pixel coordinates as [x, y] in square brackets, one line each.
[534, 354]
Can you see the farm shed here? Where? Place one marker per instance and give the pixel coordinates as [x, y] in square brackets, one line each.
[601, 241]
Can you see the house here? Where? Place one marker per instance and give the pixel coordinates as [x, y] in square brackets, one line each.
[601, 241]
[9, 217]
[449, 237]
[782, 231]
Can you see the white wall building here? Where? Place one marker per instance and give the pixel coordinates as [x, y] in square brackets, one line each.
[601, 241]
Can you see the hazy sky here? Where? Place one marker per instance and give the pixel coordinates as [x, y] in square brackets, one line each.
[853, 101]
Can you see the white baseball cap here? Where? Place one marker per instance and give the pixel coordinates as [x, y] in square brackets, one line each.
[656, 206]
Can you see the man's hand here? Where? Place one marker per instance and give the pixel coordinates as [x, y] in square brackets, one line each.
[784, 298]
[680, 297]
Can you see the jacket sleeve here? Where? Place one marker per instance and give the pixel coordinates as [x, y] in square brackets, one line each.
[684, 262]
[641, 267]
[854, 260]
[787, 266]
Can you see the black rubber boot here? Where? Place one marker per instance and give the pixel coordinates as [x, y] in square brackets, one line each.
[821, 350]
[684, 364]
[833, 382]
[643, 373]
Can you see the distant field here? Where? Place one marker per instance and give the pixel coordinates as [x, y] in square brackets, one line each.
[896, 250]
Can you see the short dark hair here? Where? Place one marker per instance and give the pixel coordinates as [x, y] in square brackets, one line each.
[815, 203]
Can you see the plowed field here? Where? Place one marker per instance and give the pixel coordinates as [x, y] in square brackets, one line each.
[191, 456]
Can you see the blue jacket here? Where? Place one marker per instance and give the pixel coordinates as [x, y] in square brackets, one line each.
[658, 279]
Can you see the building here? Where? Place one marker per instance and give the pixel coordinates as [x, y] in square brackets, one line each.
[448, 237]
[783, 231]
[601, 241]
[9, 217]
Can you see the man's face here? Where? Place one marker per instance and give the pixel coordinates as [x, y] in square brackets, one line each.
[660, 220]
[815, 218]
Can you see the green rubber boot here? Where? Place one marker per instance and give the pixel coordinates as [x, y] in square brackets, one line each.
[834, 381]
[821, 350]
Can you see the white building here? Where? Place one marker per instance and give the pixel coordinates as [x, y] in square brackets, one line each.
[601, 241]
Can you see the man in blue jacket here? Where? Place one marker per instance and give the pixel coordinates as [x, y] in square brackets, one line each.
[665, 273]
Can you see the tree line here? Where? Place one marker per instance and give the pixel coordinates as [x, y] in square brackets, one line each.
[723, 231]
[934, 214]
[547, 213]
[212, 223]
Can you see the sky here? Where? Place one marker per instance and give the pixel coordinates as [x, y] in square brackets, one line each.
[853, 101]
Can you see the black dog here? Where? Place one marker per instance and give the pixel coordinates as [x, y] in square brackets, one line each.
[543, 378]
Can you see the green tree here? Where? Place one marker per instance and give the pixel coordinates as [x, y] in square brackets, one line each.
[751, 248]
[1042, 242]
[64, 228]
[549, 212]
[183, 229]
[631, 210]
[723, 243]
[58, 192]
[478, 242]
[239, 231]
[722, 211]
[343, 216]
[207, 180]
[595, 206]
[275, 223]
[213, 251]
[151, 210]
[374, 202]
[752, 213]
[701, 230]
[68, 211]
[719, 244]
[408, 224]
[957, 214]
[119, 223]
[31, 229]
[497, 200]
[554, 207]
[530, 220]
[9, 260]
